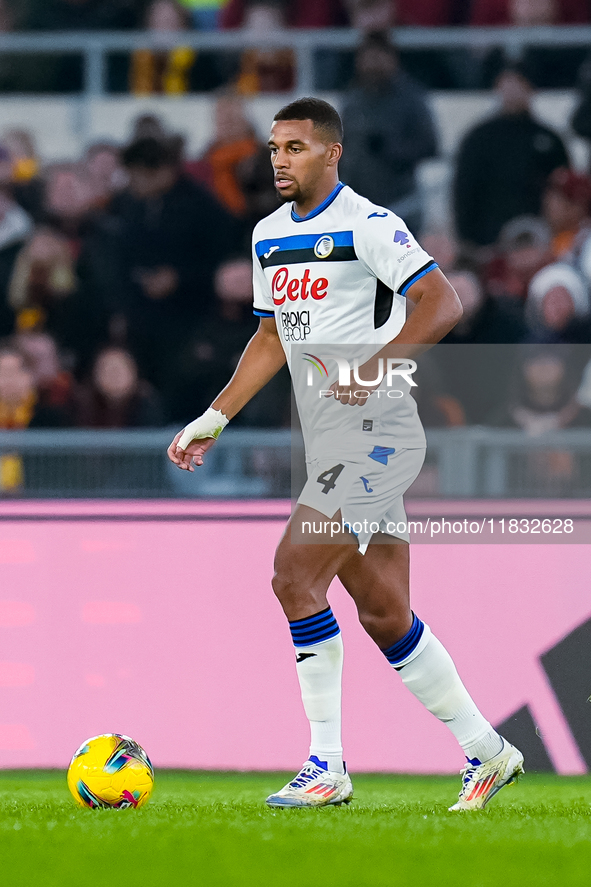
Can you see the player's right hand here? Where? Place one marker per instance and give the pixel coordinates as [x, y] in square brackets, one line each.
[192, 455]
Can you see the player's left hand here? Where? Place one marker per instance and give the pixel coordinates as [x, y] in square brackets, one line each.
[353, 395]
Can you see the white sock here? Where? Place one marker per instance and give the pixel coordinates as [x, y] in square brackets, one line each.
[430, 674]
[319, 658]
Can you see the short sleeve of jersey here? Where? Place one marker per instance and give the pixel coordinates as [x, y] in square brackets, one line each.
[387, 248]
[263, 300]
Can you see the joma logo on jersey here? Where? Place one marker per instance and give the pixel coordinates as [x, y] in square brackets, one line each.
[294, 288]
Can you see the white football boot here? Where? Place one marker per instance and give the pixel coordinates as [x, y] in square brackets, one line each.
[480, 782]
[314, 786]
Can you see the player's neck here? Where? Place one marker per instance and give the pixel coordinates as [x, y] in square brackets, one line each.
[320, 195]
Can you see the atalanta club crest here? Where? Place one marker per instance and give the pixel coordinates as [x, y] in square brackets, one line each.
[324, 246]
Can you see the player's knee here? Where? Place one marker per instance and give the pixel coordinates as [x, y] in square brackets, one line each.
[285, 580]
[297, 593]
[385, 628]
[282, 585]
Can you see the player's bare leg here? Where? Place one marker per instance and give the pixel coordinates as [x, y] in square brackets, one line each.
[378, 582]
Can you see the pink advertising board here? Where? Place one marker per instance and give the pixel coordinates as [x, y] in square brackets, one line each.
[157, 619]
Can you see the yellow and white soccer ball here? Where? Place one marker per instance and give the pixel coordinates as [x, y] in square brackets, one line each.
[111, 771]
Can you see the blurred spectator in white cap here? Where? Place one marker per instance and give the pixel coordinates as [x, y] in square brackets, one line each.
[557, 306]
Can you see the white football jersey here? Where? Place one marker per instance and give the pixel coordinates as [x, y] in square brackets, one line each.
[338, 276]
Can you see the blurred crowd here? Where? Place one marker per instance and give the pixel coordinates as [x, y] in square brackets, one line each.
[174, 68]
[125, 276]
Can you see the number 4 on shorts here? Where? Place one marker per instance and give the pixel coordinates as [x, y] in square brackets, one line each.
[328, 478]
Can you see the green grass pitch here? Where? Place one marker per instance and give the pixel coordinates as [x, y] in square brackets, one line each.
[213, 829]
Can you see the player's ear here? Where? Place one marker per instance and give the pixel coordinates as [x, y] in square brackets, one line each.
[334, 153]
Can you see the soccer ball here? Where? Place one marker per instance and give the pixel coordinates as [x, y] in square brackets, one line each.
[111, 771]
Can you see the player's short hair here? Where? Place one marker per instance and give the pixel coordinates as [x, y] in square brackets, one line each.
[325, 118]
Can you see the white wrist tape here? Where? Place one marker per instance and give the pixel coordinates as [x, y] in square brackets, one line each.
[210, 424]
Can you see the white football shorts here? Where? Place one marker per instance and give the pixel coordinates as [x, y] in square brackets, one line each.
[367, 488]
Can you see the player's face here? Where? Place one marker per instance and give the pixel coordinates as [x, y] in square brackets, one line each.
[301, 160]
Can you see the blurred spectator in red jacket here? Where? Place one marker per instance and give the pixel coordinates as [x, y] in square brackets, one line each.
[115, 396]
[566, 207]
[523, 247]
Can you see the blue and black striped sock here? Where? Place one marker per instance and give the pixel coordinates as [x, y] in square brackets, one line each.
[314, 629]
[401, 650]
